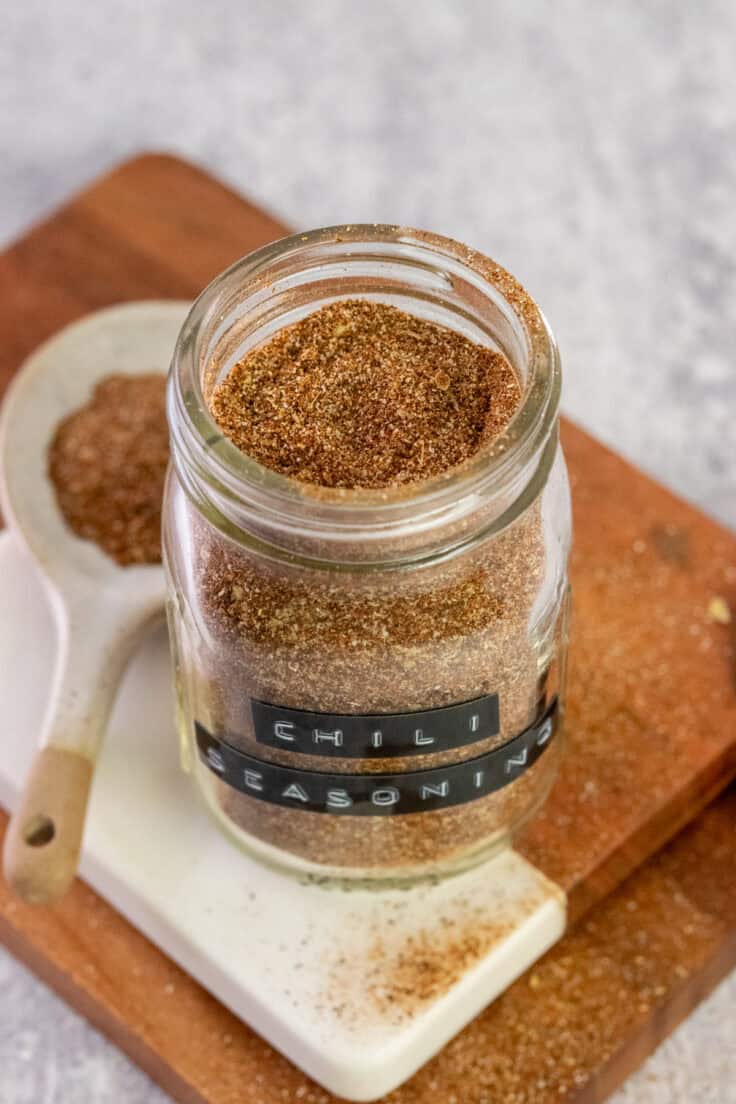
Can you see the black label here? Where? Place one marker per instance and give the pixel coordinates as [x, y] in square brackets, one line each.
[376, 736]
[377, 794]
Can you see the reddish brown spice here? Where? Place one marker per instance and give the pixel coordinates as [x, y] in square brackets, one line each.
[107, 462]
[361, 394]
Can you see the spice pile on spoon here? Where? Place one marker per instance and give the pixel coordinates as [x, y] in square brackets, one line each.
[107, 462]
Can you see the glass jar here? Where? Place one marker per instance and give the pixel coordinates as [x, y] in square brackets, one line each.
[369, 682]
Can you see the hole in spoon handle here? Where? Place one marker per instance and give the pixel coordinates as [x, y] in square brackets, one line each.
[44, 836]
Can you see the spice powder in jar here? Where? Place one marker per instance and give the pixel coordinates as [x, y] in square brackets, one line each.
[366, 536]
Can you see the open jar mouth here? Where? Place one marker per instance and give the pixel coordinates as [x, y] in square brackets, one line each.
[422, 273]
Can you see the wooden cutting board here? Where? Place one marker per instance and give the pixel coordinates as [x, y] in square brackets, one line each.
[651, 732]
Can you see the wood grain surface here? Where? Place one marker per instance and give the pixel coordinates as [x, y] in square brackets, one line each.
[651, 718]
[569, 1030]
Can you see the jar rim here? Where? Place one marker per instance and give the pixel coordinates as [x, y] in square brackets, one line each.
[349, 513]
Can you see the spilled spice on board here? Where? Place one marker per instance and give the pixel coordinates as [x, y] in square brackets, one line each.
[387, 967]
[397, 981]
[612, 986]
[107, 462]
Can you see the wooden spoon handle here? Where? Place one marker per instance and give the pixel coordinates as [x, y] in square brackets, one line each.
[44, 836]
[95, 641]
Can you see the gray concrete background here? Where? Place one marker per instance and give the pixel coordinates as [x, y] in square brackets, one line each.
[590, 147]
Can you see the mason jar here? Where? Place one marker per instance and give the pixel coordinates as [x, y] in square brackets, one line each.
[369, 682]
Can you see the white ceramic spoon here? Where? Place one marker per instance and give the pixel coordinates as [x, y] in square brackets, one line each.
[100, 609]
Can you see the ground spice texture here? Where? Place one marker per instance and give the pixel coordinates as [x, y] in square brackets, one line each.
[361, 394]
[363, 644]
[107, 462]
